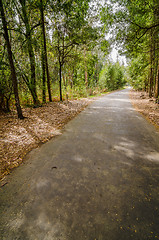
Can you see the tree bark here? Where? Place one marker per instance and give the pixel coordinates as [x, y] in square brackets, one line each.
[45, 50]
[43, 77]
[157, 83]
[151, 66]
[10, 57]
[60, 79]
[86, 73]
[30, 52]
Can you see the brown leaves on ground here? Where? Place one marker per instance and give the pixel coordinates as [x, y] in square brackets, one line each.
[146, 106]
[17, 137]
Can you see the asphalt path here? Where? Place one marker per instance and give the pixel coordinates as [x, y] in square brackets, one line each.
[98, 180]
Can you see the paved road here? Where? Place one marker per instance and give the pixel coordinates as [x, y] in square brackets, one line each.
[99, 180]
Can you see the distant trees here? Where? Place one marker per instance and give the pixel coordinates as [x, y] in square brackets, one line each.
[112, 76]
[25, 18]
[47, 43]
[45, 66]
[135, 25]
[11, 63]
[71, 32]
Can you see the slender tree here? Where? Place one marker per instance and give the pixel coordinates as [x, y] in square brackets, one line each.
[157, 85]
[136, 29]
[12, 67]
[45, 64]
[30, 51]
[43, 75]
[85, 65]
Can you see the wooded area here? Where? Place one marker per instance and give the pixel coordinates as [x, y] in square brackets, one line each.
[54, 50]
[135, 28]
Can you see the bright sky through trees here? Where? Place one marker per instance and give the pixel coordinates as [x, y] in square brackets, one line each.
[70, 44]
[114, 55]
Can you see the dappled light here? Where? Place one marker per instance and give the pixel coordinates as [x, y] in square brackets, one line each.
[17, 222]
[153, 156]
[120, 100]
[40, 125]
[125, 148]
[78, 158]
[101, 172]
[77, 161]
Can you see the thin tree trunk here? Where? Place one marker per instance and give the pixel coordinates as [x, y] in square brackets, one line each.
[43, 77]
[30, 52]
[157, 83]
[155, 51]
[85, 63]
[45, 51]
[72, 78]
[7, 105]
[43, 58]
[151, 67]
[96, 73]
[60, 80]
[65, 81]
[10, 57]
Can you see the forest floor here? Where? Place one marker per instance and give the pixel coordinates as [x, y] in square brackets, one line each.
[146, 106]
[18, 137]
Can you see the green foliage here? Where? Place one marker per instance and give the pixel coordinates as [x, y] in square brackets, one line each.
[6, 86]
[6, 89]
[135, 28]
[75, 44]
[112, 76]
[138, 72]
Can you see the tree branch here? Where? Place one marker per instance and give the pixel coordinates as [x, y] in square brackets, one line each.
[146, 27]
[141, 36]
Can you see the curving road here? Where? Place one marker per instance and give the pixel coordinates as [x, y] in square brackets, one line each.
[99, 180]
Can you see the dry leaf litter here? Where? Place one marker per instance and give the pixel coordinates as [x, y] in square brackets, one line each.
[18, 137]
[146, 106]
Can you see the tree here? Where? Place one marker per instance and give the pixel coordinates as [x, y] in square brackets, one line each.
[112, 76]
[45, 60]
[69, 25]
[47, 36]
[28, 34]
[136, 26]
[10, 57]
[63, 48]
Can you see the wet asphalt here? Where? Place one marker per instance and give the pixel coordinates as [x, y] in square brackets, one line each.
[98, 180]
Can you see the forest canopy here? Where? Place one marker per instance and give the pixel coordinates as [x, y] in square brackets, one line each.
[57, 49]
[134, 27]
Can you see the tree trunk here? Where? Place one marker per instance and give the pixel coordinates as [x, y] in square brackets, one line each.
[85, 63]
[45, 50]
[43, 77]
[65, 81]
[151, 67]
[43, 57]
[10, 57]
[157, 83]
[7, 105]
[155, 53]
[60, 80]
[72, 78]
[30, 52]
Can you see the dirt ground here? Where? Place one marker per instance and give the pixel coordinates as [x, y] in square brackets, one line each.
[146, 106]
[18, 137]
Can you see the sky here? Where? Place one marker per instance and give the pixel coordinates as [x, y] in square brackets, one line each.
[114, 55]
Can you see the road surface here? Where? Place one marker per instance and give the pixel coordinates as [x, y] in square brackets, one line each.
[99, 180]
